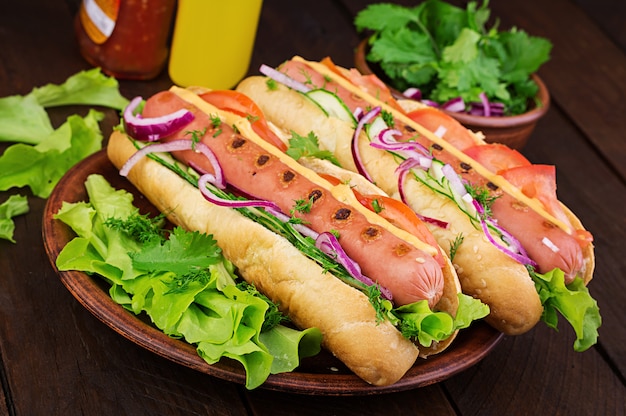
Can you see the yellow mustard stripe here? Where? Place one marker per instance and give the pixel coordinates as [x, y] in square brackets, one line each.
[339, 191]
[498, 180]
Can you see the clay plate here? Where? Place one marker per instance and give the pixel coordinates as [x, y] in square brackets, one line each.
[319, 375]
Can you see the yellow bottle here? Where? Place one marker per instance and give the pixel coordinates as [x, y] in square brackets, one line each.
[213, 41]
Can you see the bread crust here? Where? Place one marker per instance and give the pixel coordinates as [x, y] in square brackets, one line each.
[374, 351]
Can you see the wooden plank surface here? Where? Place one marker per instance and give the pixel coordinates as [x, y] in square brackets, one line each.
[57, 359]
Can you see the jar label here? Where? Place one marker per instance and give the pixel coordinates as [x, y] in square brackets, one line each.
[98, 18]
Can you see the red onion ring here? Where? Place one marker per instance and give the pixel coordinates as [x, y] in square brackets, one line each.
[178, 145]
[403, 169]
[301, 228]
[486, 106]
[454, 179]
[283, 78]
[455, 105]
[386, 141]
[413, 93]
[209, 196]
[521, 256]
[153, 128]
[329, 244]
[358, 160]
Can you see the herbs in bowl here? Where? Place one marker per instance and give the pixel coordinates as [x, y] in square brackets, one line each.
[446, 56]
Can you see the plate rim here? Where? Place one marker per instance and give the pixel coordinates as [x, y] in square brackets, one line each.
[89, 292]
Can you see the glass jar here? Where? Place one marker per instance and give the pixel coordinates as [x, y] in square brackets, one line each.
[126, 38]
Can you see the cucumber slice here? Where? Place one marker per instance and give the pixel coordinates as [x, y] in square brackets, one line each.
[332, 105]
[376, 127]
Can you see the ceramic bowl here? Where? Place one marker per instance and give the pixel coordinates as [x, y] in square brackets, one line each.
[513, 131]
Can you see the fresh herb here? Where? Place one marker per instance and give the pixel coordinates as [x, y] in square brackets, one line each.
[142, 228]
[449, 52]
[454, 245]
[216, 121]
[196, 136]
[483, 196]
[302, 205]
[182, 253]
[377, 206]
[272, 85]
[305, 146]
[388, 118]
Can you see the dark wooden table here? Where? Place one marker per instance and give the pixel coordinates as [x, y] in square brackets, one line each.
[57, 359]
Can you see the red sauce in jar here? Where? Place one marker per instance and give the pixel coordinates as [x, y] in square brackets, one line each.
[127, 39]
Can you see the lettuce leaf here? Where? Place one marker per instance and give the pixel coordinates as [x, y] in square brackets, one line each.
[418, 321]
[90, 87]
[209, 311]
[41, 155]
[23, 118]
[15, 205]
[41, 166]
[573, 302]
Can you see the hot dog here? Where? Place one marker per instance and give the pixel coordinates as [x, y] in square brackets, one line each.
[244, 158]
[509, 222]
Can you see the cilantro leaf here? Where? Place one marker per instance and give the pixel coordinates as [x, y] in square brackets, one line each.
[448, 52]
[304, 146]
[184, 252]
[396, 17]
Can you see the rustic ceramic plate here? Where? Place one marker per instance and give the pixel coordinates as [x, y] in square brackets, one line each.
[320, 375]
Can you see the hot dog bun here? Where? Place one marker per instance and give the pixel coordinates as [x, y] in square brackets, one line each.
[374, 350]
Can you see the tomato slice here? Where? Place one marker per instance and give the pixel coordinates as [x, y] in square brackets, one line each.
[496, 157]
[371, 84]
[242, 105]
[537, 181]
[432, 119]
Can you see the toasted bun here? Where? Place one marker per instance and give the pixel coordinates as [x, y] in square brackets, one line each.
[311, 297]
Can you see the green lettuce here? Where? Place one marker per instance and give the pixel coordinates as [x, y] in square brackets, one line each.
[193, 297]
[23, 118]
[573, 302]
[90, 87]
[41, 166]
[419, 322]
[41, 155]
[449, 52]
[12, 207]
